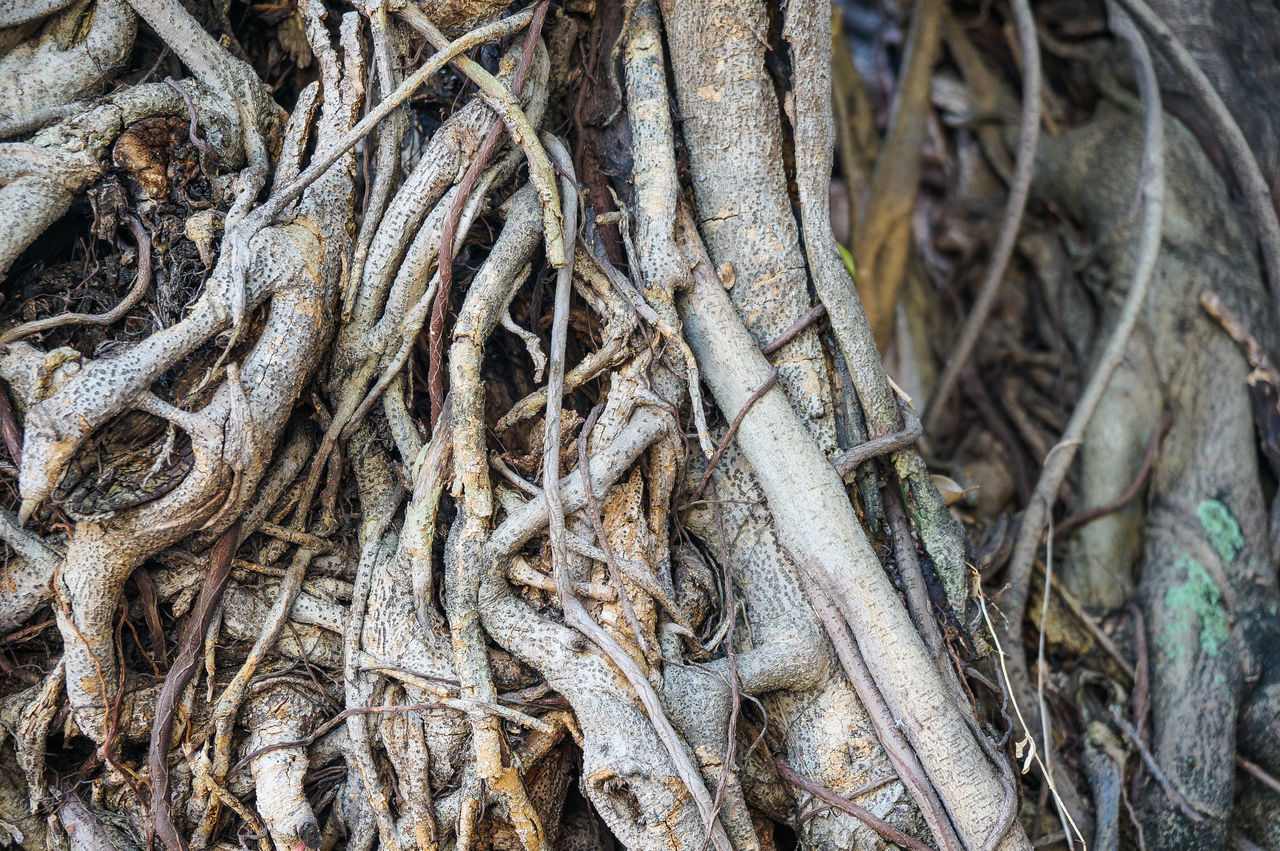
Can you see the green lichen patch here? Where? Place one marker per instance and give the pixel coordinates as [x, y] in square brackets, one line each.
[1220, 525]
[1197, 600]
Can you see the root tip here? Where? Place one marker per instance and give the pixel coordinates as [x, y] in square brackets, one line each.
[309, 833]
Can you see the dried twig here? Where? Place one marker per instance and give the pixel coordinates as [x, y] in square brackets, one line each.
[435, 333]
[1028, 742]
[843, 804]
[331, 725]
[1019, 187]
[853, 457]
[597, 524]
[811, 316]
[1244, 164]
[194, 126]
[293, 536]
[1258, 773]
[1139, 479]
[141, 283]
[1034, 519]
[727, 440]
[184, 668]
[1195, 813]
[1253, 349]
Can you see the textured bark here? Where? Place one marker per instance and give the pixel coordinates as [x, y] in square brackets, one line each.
[1202, 583]
[575, 602]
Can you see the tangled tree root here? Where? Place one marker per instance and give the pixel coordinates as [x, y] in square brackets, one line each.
[395, 409]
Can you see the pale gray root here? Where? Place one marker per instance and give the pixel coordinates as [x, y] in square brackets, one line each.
[615, 627]
[1244, 165]
[1102, 555]
[1204, 489]
[405, 308]
[695, 702]
[392, 306]
[68, 59]
[402, 628]
[523, 131]
[790, 651]
[85, 830]
[393, 618]
[341, 112]
[396, 647]
[1037, 516]
[27, 584]
[487, 300]
[15, 12]
[629, 777]
[809, 31]
[406, 739]
[227, 706]
[275, 714]
[241, 227]
[605, 293]
[733, 130]
[654, 175]
[417, 535]
[180, 581]
[34, 712]
[388, 48]
[470, 580]
[395, 407]
[389, 636]
[379, 499]
[464, 557]
[892, 738]
[785, 658]
[698, 702]
[632, 555]
[446, 157]
[621, 774]
[41, 176]
[309, 634]
[805, 495]
[490, 293]
[297, 265]
[523, 524]
[59, 422]
[705, 91]
[286, 195]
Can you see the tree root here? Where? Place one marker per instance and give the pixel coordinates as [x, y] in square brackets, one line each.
[662, 623]
[69, 58]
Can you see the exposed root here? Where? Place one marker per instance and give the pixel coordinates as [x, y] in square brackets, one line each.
[399, 424]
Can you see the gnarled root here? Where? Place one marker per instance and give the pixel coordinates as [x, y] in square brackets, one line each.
[296, 266]
[274, 716]
[462, 640]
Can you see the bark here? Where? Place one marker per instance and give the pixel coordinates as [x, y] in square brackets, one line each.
[497, 453]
